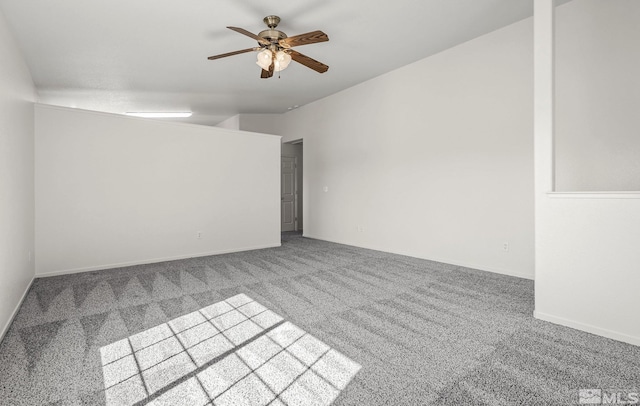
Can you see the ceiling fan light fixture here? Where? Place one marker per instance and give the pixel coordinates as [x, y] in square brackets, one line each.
[265, 58]
[283, 60]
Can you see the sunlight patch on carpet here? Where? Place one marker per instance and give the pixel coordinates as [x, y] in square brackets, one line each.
[232, 352]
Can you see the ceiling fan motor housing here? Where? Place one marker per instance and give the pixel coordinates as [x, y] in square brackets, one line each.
[272, 34]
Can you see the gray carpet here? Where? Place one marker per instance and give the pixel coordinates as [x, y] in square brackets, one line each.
[386, 330]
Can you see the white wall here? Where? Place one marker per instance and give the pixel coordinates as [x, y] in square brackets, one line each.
[587, 255]
[433, 160]
[261, 123]
[17, 95]
[232, 123]
[270, 124]
[258, 123]
[113, 190]
[597, 95]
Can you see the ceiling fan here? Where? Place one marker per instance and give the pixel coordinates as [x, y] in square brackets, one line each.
[275, 51]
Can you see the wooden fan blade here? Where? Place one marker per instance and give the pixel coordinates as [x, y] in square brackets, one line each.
[242, 51]
[304, 39]
[249, 34]
[308, 62]
[266, 74]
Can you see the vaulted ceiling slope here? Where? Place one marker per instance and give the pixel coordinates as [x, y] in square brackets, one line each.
[151, 55]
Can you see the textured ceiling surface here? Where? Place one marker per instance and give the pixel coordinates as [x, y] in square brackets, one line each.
[151, 55]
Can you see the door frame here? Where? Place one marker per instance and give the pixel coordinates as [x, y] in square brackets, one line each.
[300, 189]
[295, 191]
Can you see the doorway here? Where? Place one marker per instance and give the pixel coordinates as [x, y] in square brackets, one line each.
[291, 187]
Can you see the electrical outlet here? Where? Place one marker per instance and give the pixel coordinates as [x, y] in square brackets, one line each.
[505, 246]
[199, 235]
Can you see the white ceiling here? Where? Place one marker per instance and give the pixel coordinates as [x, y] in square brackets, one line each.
[151, 55]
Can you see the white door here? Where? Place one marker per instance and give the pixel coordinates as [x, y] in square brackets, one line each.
[288, 192]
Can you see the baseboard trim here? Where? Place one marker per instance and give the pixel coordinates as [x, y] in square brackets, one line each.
[5, 328]
[614, 335]
[443, 260]
[151, 261]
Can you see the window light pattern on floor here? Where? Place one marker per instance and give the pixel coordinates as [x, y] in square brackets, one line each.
[234, 352]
